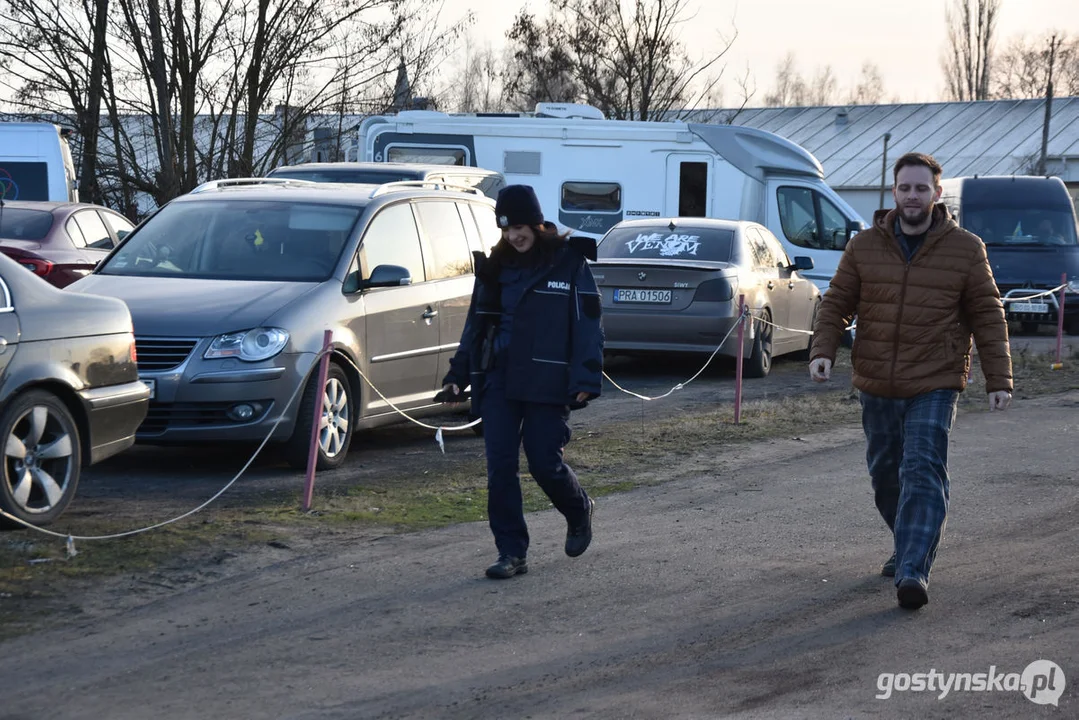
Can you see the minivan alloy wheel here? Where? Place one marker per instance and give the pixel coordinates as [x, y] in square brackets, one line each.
[333, 430]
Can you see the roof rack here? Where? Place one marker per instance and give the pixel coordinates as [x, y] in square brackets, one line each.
[435, 184]
[241, 182]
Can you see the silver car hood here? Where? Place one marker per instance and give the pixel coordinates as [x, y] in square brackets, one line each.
[188, 307]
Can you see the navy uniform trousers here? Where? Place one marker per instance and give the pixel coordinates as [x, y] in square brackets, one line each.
[542, 428]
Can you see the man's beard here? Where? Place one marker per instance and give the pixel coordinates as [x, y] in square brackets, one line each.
[916, 216]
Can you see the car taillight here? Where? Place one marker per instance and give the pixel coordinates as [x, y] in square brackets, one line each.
[38, 267]
[717, 290]
[134, 352]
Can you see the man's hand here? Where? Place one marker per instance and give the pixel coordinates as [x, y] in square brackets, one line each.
[1000, 400]
[582, 396]
[820, 369]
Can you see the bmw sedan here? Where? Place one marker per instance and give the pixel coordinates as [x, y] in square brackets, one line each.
[70, 393]
[59, 241]
[673, 285]
[232, 287]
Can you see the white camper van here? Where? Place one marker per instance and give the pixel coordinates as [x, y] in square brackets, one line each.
[590, 172]
[35, 163]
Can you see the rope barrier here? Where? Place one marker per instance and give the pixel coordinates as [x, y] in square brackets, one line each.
[70, 539]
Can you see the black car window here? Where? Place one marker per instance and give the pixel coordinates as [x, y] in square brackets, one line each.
[392, 239]
[490, 233]
[238, 239]
[23, 224]
[775, 248]
[685, 243]
[94, 232]
[762, 255]
[1029, 226]
[449, 256]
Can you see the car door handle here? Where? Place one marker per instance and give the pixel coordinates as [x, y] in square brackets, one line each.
[771, 285]
[429, 313]
[3, 345]
[790, 284]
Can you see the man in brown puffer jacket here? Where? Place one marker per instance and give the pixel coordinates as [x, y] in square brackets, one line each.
[920, 286]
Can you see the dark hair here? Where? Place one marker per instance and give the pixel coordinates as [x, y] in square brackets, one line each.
[919, 159]
[548, 240]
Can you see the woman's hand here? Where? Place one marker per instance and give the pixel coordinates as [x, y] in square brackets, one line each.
[582, 396]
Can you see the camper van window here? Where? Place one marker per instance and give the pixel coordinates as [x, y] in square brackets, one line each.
[450, 256]
[591, 197]
[833, 222]
[684, 243]
[693, 189]
[24, 180]
[427, 154]
[802, 214]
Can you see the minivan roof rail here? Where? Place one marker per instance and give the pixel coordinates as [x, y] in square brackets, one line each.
[240, 182]
[434, 184]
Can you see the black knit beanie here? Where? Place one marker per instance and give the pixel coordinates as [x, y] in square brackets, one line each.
[518, 205]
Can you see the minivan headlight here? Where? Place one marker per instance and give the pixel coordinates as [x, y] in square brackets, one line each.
[249, 345]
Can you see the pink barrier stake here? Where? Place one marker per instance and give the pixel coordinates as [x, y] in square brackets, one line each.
[320, 398]
[738, 362]
[1060, 321]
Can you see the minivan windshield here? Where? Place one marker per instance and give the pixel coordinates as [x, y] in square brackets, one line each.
[1028, 226]
[660, 242]
[236, 239]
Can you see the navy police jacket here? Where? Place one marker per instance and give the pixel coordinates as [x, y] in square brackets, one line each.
[556, 339]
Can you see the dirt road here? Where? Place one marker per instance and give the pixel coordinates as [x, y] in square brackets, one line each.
[750, 592]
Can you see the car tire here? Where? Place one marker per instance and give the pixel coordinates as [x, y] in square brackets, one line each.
[804, 354]
[42, 458]
[1072, 328]
[335, 435]
[759, 362]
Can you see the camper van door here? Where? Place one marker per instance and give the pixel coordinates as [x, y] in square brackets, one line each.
[689, 184]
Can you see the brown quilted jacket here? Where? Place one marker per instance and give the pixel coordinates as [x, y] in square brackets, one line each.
[915, 319]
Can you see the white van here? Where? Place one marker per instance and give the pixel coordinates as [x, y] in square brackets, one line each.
[591, 173]
[35, 163]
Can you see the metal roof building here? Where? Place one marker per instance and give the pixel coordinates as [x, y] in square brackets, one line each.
[997, 137]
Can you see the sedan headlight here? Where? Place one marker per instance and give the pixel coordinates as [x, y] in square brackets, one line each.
[250, 345]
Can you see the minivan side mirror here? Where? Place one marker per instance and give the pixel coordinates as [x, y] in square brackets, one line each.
[853, 228]
[802, 262]
[388, 276]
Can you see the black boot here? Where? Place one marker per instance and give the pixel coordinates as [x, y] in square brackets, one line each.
[579, 536]
[506, 567]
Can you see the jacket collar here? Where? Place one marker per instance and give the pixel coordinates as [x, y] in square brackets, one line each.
[886, 221]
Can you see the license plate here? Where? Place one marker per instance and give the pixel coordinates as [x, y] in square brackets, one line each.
[152, 384]
[639, 295]
[1029, 307]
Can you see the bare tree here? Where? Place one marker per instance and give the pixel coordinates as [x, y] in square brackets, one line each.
[869, 90]
[823, 88]
[790, 88]
[968, 59]
[627, 61]
[476, 85]
[1022, 70]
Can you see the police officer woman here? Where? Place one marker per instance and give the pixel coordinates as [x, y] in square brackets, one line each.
[532, 350]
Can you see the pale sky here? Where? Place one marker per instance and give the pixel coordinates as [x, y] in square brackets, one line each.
[904, 38]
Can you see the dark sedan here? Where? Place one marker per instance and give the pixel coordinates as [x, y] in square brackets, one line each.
[672, 285]
[69, 390]
[59, 241]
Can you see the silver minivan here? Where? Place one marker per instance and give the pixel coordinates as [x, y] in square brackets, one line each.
[232, 286]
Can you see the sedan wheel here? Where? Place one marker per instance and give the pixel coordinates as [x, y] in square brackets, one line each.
[42, 458]
[335, 422]
[759, 362]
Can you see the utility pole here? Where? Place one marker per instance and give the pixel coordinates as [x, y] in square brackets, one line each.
[1054, 43]
[884, 169]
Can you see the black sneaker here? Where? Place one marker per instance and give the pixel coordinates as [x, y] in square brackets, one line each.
[911, 594]
[888, 568]
[578, 537]
[506, 567]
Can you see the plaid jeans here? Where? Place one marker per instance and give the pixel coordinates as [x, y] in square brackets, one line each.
[907, 455]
